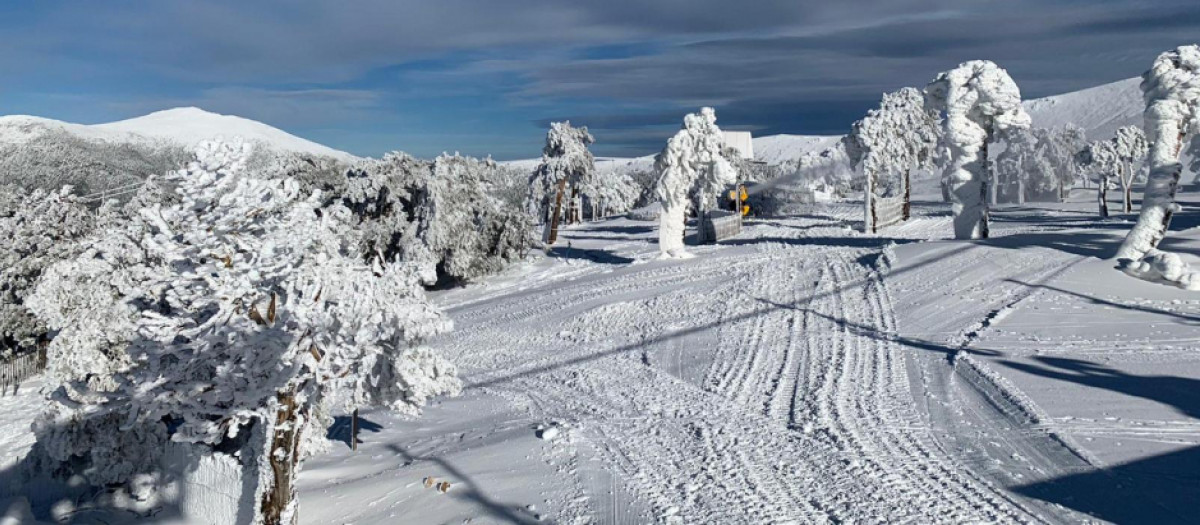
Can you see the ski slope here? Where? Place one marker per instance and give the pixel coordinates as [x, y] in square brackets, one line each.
[799, 373]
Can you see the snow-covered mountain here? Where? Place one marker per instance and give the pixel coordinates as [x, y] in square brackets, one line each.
[1099, 110]
[181, 126]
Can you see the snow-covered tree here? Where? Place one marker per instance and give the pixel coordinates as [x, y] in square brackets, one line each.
[240, 312]
[1100, 158]
[979, 100]
[1013, 166]
[566, 165]
[438, 214]
[40, 229]
[1057, 150]
[1036, 164]
[1171, 89]
[691, 171]
[1130, 147]
[890, 141]
[610, 191]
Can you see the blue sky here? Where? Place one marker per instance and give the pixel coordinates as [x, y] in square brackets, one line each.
[486, 77]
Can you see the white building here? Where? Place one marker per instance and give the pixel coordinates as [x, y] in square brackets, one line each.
[742, 141]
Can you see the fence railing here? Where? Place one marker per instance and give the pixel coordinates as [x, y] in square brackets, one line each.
[111, 193]
[17, 369]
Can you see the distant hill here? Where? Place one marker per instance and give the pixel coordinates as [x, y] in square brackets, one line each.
[1099, 110]
[178, 127]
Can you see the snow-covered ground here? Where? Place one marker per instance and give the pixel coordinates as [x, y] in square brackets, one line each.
[804, 372]
[800, 372]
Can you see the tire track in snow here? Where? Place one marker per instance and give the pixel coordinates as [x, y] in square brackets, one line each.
[804, 415]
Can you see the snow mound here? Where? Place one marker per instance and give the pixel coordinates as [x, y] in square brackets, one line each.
[1100, 110]
[1165, 267]
[182, 126]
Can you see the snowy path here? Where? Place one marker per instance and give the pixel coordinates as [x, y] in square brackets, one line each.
[747, 385]
[799, 373]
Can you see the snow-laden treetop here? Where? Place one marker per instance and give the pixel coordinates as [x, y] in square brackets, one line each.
[896, 136]
[1174, 76]
[980, 91]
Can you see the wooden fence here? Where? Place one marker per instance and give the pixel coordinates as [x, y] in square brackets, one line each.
[17, 369]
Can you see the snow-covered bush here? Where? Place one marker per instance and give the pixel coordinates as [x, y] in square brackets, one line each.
[440, 214]
[1171, 89]
[1160, 266]
[240, 313]
[692, 171]
[313, 172]
[890, 141]
[979, 100]
[39, 229]
[57, 158]
[466, 232]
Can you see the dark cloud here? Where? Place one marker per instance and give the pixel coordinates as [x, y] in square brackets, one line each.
[492, 73]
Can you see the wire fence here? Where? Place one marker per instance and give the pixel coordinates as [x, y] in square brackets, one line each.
[887, 211]
[19, 368]
[111, 193]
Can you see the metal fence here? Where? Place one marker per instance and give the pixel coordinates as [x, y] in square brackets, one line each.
[17, 369]
[717, 225]
[887, 211]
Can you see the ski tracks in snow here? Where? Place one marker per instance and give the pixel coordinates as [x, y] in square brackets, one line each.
[797, 406]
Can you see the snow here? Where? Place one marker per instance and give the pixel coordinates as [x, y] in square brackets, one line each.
[800, 372]
[773, 378]
[1100, 110]
[183, 126]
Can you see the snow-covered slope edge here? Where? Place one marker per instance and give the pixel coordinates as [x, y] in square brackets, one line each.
[179, 126]
[1099, 110]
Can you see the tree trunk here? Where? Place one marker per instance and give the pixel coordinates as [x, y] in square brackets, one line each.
[286, 438]
[552, 229]
[868, 202]
[987, 178]
[907, 210]
[1103, 193]
[1127, 187]
[354, 430]
[1158, 200]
